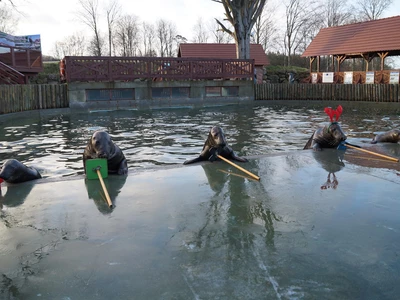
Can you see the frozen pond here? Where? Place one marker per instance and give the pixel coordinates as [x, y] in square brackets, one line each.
[54, 143]
[316, 226]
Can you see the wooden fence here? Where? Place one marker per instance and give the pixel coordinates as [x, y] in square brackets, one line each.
[343, 92]
[16, 98]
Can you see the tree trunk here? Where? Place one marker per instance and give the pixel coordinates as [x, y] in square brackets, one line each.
[242, 15]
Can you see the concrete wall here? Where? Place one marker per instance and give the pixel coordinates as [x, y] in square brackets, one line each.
[143, 94]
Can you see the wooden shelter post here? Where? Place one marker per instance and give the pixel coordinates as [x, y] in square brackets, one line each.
[340, 59]
[312, 58]
[383, 55]
[368, 58]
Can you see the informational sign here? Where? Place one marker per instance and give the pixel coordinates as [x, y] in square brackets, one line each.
[394, 78]
[23, 41]
[327, 77]
[370, 77]
[314, 77]
[348, 77]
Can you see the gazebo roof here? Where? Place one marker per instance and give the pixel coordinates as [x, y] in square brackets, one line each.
[215, 50]
[359, 38]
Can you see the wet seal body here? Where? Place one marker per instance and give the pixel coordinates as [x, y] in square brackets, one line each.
[391, 136]
[215, 145]
[100, 145]
[326, 137]
[13, 171]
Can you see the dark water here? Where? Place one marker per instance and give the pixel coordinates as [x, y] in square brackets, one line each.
[54, 143]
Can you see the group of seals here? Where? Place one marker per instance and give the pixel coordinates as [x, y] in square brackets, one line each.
[100, 145]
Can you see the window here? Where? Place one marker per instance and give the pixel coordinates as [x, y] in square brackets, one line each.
[218, 91]
[110, 94]
[171, 92]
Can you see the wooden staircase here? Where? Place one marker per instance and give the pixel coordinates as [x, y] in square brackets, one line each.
[9, 75]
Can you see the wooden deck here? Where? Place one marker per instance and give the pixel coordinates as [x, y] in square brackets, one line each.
[17, 64]
[103, 69]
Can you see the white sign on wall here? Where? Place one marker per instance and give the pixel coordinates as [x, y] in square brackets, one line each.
[370, 77]
[327, 77]
[394, 78]
[348, 77]
[314, 77]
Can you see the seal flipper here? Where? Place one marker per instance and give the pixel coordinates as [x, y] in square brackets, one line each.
[309, 143]
[194, 160]
[237, 158]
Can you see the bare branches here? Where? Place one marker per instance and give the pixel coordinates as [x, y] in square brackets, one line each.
[242, 15]
[372, 9]
[89, 16]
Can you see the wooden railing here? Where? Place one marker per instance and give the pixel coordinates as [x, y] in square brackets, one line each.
[16, 98]
[9, 75]
[22, 60]
[86, 68]
[359, 77]
[318, 92]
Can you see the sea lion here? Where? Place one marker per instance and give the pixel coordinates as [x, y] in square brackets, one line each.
[391, 136]
[326, 137]
[215, 145]
[13, 171]
[100, 145]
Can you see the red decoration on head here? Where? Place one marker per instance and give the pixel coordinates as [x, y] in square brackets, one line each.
[334, 113]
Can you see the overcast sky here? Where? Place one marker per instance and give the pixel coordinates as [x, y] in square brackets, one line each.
[56, 19]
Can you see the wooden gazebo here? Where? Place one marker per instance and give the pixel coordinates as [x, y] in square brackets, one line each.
[367, 40]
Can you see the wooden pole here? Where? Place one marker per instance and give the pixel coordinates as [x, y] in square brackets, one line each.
[238, 167]
[374, 153]
[104, 189]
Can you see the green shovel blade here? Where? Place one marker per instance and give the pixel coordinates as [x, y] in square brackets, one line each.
[93, 164]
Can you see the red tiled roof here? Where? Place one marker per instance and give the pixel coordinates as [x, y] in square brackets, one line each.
[227, 51]
[371, 36]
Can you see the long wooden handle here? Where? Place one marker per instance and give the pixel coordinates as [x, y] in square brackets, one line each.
[104, 189]
[240, 168]
[374, 153]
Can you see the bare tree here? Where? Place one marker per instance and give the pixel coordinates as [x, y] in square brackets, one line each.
[335, 13]
[149, 35]
[112, 13]
[89, 16]
[166, 34]
[217, 34]
[127, 36]
[372, 9]
[200, 32]
[8, 20]
[242, 15]
[265, 29]
[296, 19]
[73, 45]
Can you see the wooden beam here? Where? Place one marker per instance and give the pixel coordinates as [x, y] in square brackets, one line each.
[340, 59]
[383, 55]
[312, 58]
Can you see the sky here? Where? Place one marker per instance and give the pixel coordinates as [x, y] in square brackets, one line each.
[56, 19]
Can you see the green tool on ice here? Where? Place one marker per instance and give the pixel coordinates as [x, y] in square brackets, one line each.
[97, 169]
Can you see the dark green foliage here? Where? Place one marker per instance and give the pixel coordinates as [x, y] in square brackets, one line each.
[50, 74]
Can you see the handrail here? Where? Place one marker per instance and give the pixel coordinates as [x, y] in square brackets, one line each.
[9, 75]
[89, 68]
